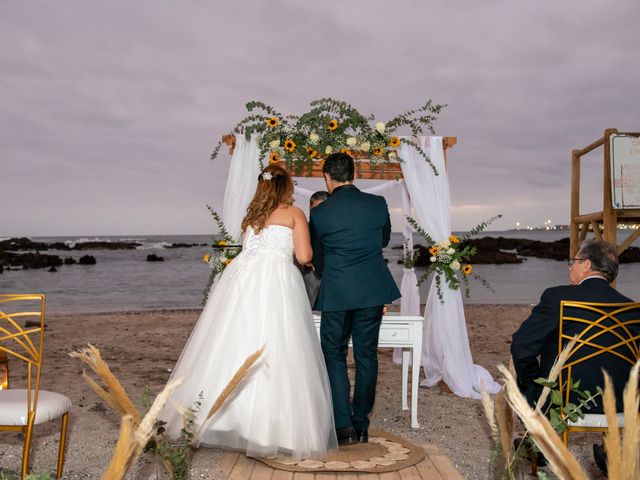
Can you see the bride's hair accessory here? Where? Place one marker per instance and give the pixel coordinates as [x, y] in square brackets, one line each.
[267, 176]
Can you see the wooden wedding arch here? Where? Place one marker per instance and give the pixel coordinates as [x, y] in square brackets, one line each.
[364, 170]
[604, 223]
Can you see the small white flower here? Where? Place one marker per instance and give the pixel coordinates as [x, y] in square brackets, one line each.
[314, 137]
[267, 176]
[393, 154]
[222, 259]
[455, 265]
[273, 144]
[451, 251]
[444, 243]
[328, 150]
[380, 127]
[365, 146]
[433, 259]
[351, 141]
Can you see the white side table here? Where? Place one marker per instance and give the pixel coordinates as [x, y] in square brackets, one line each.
[404, 332]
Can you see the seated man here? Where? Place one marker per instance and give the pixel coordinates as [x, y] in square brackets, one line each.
[590, 274]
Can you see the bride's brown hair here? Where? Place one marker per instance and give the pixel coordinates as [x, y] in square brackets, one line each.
[275, 187]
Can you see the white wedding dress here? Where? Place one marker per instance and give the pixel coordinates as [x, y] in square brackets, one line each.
[284, 405]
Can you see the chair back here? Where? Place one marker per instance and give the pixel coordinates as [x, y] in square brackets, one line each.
[24, 342]
[607, 334]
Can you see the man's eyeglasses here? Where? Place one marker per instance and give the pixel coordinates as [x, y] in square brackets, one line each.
[571, 261]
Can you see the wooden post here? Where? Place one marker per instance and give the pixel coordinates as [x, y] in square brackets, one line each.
[609, 215]
[574, 241]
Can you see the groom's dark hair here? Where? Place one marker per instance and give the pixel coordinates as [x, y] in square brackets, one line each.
[339, 166]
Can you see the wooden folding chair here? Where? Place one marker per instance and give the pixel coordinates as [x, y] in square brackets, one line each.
[22, 408]
[619, 323]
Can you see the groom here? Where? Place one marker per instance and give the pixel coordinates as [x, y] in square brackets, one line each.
[348, 232]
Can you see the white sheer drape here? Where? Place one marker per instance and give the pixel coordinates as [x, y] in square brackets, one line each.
[446, 354]
[241, 184]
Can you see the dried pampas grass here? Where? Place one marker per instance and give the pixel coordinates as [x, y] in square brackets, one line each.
[131, 443]
[242, 372]
[555, 371]
[114, 394]
[563, 464]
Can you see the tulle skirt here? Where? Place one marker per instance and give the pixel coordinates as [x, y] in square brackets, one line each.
[283, 406]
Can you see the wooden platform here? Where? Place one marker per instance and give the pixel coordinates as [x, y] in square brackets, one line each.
[435, 466]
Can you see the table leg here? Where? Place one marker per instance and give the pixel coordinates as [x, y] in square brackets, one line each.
[405, 377]
[415, 375]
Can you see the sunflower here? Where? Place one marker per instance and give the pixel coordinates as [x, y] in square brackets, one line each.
[378, 151]
[311, 152]
[394, 142]
[345, 150]
[289, 145]
[454, 239]
[332, 125]
[467, 269]
[274, 158]
[434, 251]
[228, 261]
[222, 243]
[272, 122]
[206, 257]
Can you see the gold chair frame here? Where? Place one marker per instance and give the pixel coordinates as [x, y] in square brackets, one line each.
[28, 348]
[626, 348]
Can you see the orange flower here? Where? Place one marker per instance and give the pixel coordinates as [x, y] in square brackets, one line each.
[434, 251]
[345, 150]
[332, 125]
[206, 257]
[394, 142]
[273, 121]
[222, 243]
[311, 152]
[228, 262]
[289, 145]
[467, 269]
[378, 151]
[454, 239]
[274, 158]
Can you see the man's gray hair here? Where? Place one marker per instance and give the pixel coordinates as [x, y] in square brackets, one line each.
[603, 256]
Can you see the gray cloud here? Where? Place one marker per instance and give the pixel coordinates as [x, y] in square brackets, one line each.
[110, 109]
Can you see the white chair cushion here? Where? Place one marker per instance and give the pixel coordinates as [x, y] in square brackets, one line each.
[596, 420]
[13, 406]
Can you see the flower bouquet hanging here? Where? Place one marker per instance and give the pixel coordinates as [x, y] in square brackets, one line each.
[225, 251]
[451, 256]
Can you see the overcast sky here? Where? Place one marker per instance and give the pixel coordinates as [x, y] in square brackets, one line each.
[110, 109]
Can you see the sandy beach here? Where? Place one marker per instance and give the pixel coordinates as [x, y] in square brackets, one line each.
[142, 347]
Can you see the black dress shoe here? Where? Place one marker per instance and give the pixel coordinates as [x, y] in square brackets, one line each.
[346, 436]
[362, 436]
[600, 457]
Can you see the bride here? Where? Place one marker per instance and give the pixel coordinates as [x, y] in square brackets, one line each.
[283, 407]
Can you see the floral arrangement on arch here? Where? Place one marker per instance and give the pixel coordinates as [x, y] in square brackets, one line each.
[332, 126]
[451, 256]
[226, 251]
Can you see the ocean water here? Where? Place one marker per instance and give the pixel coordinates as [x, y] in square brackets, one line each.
[124, 280]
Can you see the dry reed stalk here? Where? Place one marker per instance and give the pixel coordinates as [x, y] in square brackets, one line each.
[555, 371]
[563, 464]
[237, 378]
[488, 405]
[114, 394]
[630, 442]
[612, 438]
[504, 419]
[118, 464]
[131, 443]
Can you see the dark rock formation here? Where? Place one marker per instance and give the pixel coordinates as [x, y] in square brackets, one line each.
[52, 269]
[181, 245]
[154, 258]
[70, 261]
[106, 246]
[29, 260]
[59, 246]
[16, 244]
[87, 260]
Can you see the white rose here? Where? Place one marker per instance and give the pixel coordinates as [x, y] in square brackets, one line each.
[314, 137]
[393, 154]
[380, 127]
[445, 243]
[365, 147]
[451, 251]
[455, 265]
[433, 259]
[273, 144]
[328, 150]
[351, 141]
